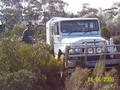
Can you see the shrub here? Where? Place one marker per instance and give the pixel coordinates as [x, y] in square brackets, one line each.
[20, 80]
[40, 32]
[15, 31]
[98, 79]
[27, 67]
[77, 80]
[105, 33]
[116, 39]
[18, 29]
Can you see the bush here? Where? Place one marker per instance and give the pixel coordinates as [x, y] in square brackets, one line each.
[40, 32]
[105, 33]
[98, 79]
[27, 67]
[116, 39]
[77, 80]
[20, 80]
[18, 29]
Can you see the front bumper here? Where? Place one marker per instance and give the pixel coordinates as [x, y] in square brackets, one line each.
[90, 60]
[108, 63]
[110, 54]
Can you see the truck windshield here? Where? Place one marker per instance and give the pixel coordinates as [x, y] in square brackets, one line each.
[84, 26]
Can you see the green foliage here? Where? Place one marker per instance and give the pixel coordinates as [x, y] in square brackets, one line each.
[23, 66]
[98, 79]
[14, 33]
[105, 33]
[18, 29]
[40, 32]
[20, 80]
[14, 11]
[77, 80]
[116, 39]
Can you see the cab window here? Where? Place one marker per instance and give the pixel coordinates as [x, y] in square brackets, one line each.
[56, 29]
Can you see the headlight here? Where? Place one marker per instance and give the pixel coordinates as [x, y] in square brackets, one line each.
[99, 50]
[77, 50]
[90, 50]
[71, 51]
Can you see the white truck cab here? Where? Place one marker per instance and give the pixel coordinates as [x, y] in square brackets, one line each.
[77, 37]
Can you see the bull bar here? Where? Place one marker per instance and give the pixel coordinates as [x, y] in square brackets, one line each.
[90, 59]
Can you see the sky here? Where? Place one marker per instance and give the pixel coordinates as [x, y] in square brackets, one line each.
[76, 5]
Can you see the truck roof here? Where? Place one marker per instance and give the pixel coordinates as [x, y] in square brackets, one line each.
[56, 19]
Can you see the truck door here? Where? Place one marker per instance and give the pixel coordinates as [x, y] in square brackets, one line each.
[56, 38]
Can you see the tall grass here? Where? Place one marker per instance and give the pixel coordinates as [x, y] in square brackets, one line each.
[97, 79]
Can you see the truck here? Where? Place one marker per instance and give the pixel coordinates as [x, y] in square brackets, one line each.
[79, 40]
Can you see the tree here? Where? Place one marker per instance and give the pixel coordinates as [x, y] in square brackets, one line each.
[11, 11]
[31, 9]
[86, 10]
[17, 11]
[105, 33]
[55, 8]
